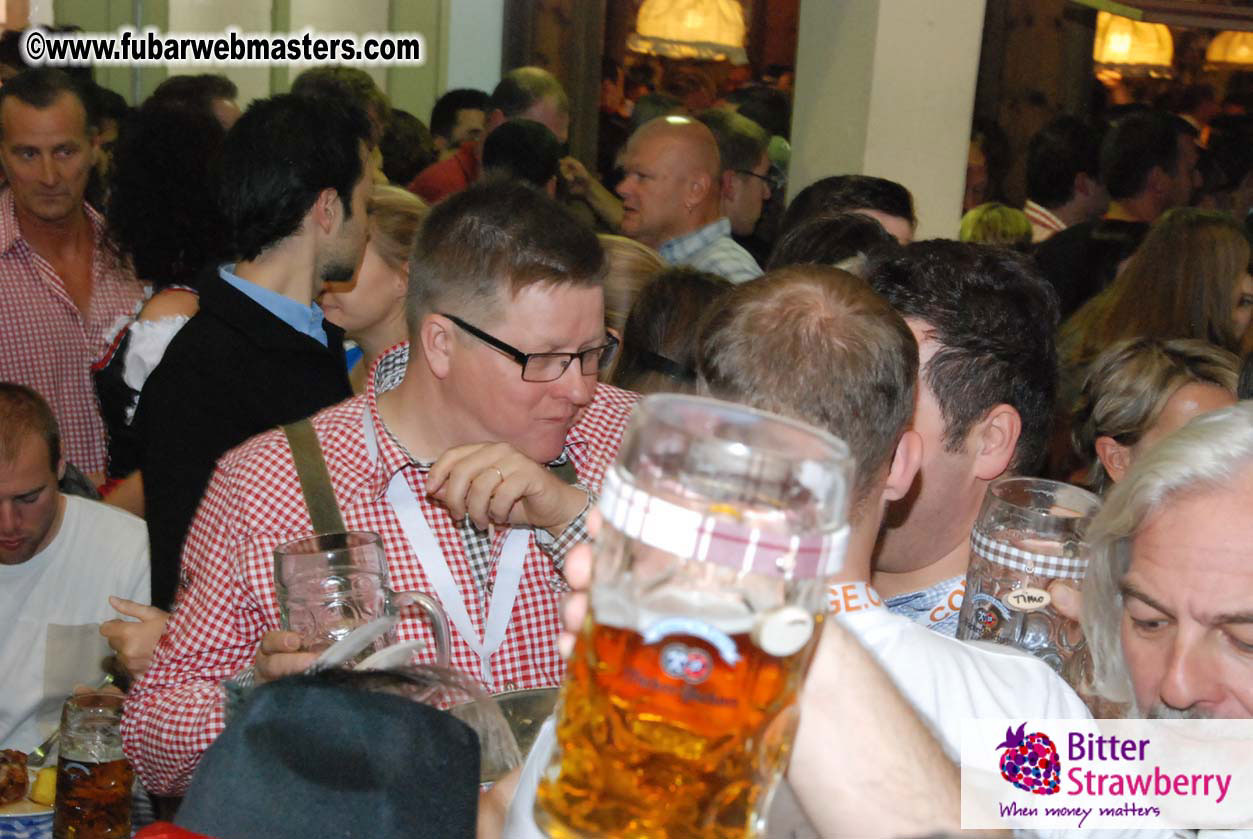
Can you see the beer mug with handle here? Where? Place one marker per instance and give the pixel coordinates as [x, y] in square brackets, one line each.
[1030, 533]
[723, 526]
[329, 584]
[94, 779]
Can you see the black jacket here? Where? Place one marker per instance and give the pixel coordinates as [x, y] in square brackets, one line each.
[1082, 259]
[233, 371]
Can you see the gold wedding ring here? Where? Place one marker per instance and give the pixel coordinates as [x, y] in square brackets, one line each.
[500, 473]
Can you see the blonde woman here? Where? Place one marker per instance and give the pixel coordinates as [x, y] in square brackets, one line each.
[1140, 390]
[631, 266]
[371, 310]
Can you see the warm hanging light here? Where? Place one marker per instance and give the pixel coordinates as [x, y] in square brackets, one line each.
[1231, 49]
[708, 29]
[1122, 43]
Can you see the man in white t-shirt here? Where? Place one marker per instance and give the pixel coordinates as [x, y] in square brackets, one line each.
[849, 364]
[60, 558]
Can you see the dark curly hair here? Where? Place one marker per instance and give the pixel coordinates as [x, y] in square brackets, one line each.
[162, 212]
[995, 318]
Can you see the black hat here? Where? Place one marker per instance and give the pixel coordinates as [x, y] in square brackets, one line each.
[312, 757]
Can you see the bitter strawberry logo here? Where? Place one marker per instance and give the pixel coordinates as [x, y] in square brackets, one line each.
[1030, 762]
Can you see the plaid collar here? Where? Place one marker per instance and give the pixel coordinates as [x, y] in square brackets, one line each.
[11, 230]
[387, 373]
[680, 249]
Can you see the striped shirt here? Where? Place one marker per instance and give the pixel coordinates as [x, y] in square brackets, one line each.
[1043, 222]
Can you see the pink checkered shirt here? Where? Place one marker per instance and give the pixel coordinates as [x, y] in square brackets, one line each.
[227, 599]
[45, 342]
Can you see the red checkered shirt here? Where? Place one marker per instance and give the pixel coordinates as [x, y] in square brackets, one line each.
[227, 599]
[47, 344]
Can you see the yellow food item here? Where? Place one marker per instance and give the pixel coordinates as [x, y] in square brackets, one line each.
[44, 790]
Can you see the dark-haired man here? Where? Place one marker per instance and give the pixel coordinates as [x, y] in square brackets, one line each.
[206, 92]
[63, 290]
[887, 202]
[459, 117]
[526, 150]
[1148, 165]
[60, 558]
[984, 321]
[1063, 177]
[475, 454]
[258, 353]
[527, 92]
[746, 183]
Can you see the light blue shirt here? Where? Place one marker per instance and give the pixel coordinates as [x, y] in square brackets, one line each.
[712, 249]
[307, 320]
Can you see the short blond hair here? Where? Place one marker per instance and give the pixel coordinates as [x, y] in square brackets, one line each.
[1127, 387]
[996, 224]
[395, 215]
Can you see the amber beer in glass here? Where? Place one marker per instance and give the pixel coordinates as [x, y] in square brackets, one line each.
[94, 779]
[723, 526]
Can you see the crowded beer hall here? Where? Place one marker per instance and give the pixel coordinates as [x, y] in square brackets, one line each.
[626, 419]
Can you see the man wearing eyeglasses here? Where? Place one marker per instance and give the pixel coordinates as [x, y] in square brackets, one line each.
[672, 198]
[746, 182]
[475, 454]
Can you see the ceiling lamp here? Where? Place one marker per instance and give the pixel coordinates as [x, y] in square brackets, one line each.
[1125, 44]
[1231, 49]
[707, 29]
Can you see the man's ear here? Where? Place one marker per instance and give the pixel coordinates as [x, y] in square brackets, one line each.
[904, 467]
[61, 464]
[440, 144]
[327, 210]
[698, 187]
[727, 183]
[495, 118]
[1159, 180]
[1114, 456]
[435, 336]
[1084, 186]
[995, 439]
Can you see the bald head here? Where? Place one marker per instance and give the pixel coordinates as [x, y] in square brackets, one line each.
[688, 141]
[671, 183]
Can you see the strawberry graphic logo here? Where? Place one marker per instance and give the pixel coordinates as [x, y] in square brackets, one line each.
[1030, 762]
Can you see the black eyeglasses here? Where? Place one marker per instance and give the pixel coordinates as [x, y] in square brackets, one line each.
[545, 366]
[769, 180]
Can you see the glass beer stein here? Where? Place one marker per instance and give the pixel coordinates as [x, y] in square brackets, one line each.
[722, 527]
[1030, 532]
[94, 779]
[329, 584]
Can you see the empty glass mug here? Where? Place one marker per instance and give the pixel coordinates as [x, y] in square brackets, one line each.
[722, 528]
[329, 584]
[1030, 532]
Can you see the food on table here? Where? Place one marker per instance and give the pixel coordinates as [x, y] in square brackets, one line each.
[44, 790]
[13, 776]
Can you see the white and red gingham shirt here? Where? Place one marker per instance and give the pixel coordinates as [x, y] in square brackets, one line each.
[47, 344]
[227, 599]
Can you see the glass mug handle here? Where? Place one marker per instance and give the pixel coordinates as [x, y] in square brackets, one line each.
[438, 619]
